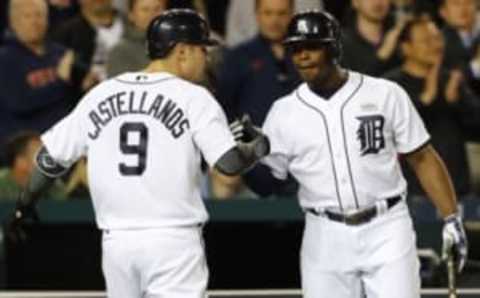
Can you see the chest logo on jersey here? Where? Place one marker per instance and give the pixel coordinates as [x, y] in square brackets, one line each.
[370, 134]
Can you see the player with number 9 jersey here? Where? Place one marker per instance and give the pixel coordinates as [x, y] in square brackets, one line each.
[144, 135]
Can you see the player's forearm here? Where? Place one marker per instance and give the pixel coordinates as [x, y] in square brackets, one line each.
[435, 180]
[241, 158]
[37, 184]
[44, 174]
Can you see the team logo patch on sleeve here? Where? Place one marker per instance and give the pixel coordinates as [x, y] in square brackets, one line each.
[370, 134]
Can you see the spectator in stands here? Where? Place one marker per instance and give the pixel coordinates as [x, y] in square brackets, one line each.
[34, 73]
[368, 46]
[258, 71]
[21, 150]
[462, 36]
[76, 182]
[91, 34]
[462, 32]
[61, 10]
[130, 53]
[443, 100]
[241, 24]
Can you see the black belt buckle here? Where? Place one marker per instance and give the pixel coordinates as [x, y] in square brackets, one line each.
[360, 217]
[357, 218]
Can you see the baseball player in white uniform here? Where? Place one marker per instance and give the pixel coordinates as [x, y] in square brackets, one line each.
[144, 134]
[340, 134]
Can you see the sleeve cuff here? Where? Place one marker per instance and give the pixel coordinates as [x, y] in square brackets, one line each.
[418, 148]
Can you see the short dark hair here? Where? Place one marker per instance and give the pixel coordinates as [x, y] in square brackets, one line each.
[257, 4]
[17, 145]
[418, 18]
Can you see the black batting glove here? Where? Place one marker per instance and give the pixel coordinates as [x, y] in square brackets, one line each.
[244, 130]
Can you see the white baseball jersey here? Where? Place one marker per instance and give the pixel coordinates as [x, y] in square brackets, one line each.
[143, 135]
[344, 150]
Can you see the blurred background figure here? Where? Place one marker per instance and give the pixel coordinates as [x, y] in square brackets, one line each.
[256, 73]
[61, 10]
[35, 73]
[91, 34]
[370, 43]
[462, 32]
[442, 98]
[241, 24]
[76, 182]
[130, 53]
[21, 149]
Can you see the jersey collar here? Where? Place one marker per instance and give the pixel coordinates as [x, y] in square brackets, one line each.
[336, 100]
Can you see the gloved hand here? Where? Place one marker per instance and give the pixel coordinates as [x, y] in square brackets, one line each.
[247, 134]
[243, 129]
[455, 241]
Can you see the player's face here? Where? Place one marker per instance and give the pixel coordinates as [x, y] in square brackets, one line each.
[312, 61]
[425, 45]
[372, 10]
[194, 63]
[29, 20]
[143, 11]
[459, 13]
[273, 17]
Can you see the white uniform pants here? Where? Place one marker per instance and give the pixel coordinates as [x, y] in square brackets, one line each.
[378, 258]
[155, 263]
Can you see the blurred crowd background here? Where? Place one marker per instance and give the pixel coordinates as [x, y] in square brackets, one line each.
[53, 51]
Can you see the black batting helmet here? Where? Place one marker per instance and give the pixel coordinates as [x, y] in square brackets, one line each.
[174, 26]
[315, 27]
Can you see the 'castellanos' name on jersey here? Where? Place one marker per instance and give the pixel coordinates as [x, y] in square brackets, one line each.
[126, 103]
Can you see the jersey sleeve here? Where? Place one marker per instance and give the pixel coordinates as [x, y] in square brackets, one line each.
[209, 126]
[409, 130]
[278, 159]
[66, 141]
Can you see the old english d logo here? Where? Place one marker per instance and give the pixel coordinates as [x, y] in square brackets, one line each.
[370, 134]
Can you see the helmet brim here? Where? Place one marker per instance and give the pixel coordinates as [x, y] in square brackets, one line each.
[212, 42]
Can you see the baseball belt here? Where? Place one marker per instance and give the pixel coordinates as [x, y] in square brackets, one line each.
[357, 218]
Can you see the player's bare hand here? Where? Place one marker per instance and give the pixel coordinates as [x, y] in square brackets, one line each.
[455, 241]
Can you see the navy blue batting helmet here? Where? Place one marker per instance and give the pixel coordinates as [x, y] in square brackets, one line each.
[174, 26]
[315, 27]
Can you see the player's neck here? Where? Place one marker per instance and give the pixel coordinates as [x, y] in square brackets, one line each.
[161, 66]
[327, 88]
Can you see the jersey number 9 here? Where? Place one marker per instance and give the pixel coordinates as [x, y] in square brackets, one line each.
[139, 148]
